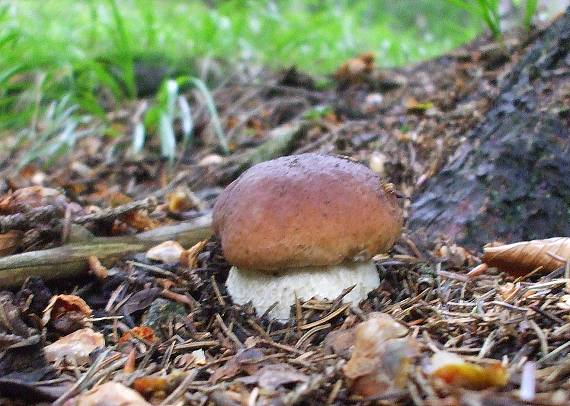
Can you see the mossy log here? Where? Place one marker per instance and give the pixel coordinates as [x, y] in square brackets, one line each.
[70, 260]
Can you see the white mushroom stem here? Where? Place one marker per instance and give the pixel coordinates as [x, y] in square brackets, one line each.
[264, 289]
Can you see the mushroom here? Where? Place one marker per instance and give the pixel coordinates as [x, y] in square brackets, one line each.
[304, 226]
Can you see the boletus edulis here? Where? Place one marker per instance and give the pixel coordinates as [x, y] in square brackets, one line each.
[304, 226]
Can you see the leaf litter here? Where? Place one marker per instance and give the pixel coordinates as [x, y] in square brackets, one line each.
[429, 335]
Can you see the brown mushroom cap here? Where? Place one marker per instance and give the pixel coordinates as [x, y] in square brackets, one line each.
[306, 210]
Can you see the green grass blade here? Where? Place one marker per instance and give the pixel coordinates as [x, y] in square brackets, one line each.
[167, 137]
[214, 117]
[529, 12]
[185, 115]
[139, 137]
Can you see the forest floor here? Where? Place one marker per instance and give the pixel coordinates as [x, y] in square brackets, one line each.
[171, 331]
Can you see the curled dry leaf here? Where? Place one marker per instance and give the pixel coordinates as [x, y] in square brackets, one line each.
[110, 394]
[178, 201]
[523, 257]
[10, 242]
[66, 313]
[139, 220]
[195, 358]
[189, 257]
[168, 252]
[382, 357]
[76, 346]
[28, 198]
[454, 370]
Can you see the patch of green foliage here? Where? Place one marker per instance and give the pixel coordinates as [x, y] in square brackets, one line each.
[60, 57]
[489, 12]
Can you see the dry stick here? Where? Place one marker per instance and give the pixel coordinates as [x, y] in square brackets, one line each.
[71, 260]
[228, 332]
[23, 221]
[113, 212]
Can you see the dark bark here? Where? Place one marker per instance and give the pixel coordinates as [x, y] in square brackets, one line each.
[511, 179]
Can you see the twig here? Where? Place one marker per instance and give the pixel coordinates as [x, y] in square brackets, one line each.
[228, 332]
[113, 212]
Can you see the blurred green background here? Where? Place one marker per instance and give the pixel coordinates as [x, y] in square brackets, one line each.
[64, 59]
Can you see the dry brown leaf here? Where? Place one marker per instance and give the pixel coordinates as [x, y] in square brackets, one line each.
[66, 313]
[195, 358]
[149, 385]
[168, 252]
[111, 394]
[454, 370]
[523, 257]
[139, 220]
[10, 242]
[27, 198]
[382, 357]
[244, 361]
[76, 346]
[340, 342]
[178, 201]
[189, 257]
[140, 332]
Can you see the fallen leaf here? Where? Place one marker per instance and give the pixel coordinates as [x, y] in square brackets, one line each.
[168, 252]
[454, 370]
[111, 394]
[523, 257]
[140, 300]
[340, 342]
[178, 201]
[148, 385]
[195, 358]
[141, 332]
[382, 356]
[10, 242]
[139, 220]
[66, 313]
[270, 377]
[243, 361]
[189, 257]
[76, 346]
[25, 199]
